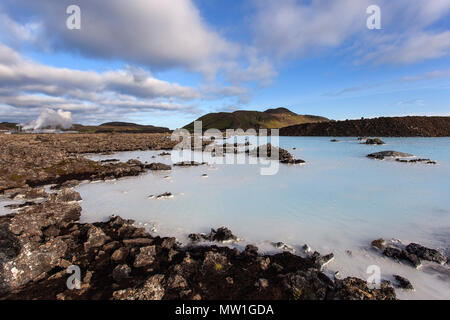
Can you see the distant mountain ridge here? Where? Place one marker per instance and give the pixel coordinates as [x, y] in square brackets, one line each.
[121, 127]
[8, 126]
[411, 126]
[269, 119]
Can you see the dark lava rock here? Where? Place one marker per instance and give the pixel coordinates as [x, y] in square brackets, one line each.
[220, 235]
[389, 154]
[426, 253]
[426, 161]
[145, 257]
[283, 246]
[308, 285]
[159, 166]
[251, 250]
[275, 153]
[96, 238]
[195, 237]
[163, 154]
[189, 164]
[169, 243]
[32, 262]
[357, 289]
[138, 242]
[399, 254]
[121, 272]
[32, 220]
[165, 195]
[66, 184]
[110, 160]
[120, 254]
[68, 195]
[403, 282]
[151, 289]
[377, 141]
[322, 261]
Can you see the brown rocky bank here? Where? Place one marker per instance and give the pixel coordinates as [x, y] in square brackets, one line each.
[120, 261]
[381, 127]
[39, 159]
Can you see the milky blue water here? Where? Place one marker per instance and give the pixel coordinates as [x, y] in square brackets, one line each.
[340, 200]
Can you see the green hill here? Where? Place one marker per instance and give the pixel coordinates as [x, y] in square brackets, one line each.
[120, 127]
[269, 119]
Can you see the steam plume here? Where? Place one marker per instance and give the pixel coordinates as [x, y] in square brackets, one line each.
[50, 119]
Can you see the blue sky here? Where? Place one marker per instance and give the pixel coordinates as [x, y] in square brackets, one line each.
[167, 62]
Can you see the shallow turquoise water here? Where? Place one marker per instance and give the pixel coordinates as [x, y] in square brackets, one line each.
[340, 200]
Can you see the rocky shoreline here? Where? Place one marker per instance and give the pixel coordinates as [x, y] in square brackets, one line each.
[32, 160]
[120, 261]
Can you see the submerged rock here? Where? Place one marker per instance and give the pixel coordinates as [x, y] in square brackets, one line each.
[403, 283]
[157, 166]
[165, 195]
[389, 154]
[283, 246]
[189, 164]
[377, 141]
[275, 153]
[426, 161]
[110, 160]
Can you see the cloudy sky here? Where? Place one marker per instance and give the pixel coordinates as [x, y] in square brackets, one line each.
[166, 62]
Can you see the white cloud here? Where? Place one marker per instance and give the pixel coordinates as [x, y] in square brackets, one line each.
[29, 86]
[16, 33]
[294, 28]
[25, 75]
[417, 48]
[156, 33]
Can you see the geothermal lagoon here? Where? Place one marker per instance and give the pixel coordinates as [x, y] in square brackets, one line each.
[338, 202]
